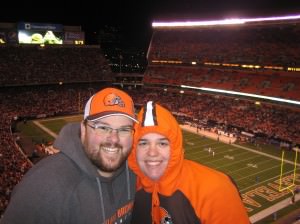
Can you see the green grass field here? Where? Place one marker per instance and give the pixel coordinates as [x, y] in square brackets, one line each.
[256, 171]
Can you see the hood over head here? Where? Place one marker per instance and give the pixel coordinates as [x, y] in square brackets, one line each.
[157, 119]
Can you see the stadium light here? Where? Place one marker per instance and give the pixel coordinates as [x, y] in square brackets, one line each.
[242, 94]
[231, 21]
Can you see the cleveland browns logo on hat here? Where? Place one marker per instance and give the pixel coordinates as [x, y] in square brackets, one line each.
[112, 99]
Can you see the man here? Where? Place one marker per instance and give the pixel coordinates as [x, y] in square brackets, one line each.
[88, 181]
[171, 189]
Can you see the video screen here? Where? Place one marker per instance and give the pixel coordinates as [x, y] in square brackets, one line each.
[40, 37]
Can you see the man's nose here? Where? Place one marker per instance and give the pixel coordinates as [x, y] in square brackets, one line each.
[114, 136]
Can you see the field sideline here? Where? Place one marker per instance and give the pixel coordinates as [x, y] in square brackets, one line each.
[256, 172]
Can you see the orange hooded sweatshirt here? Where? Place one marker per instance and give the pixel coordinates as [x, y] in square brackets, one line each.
[187, 192]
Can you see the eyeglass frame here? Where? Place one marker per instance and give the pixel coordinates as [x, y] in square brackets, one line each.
[106, 130]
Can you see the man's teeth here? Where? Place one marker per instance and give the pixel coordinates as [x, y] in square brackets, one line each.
[110, 150]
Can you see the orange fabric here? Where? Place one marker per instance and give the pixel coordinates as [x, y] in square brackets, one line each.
[109, 101]
[212, 195]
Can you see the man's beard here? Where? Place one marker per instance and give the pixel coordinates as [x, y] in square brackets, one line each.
[100, 158]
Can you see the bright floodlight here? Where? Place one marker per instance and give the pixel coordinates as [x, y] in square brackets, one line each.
[222, 22]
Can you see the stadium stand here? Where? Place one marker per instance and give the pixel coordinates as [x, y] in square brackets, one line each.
[258, 58]
[52, 64]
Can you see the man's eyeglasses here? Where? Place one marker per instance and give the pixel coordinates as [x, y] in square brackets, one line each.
[105, 130]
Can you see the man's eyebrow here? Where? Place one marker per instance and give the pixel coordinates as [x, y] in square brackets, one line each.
[101, 123]
[106, 124]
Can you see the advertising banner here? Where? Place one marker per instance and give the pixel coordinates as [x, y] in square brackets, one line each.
[8, 37]
[72, 37]
[40, 26]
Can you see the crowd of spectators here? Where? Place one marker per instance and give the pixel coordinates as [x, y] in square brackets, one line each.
[276, 83]
[263, 44]
[35, 65]
[13, 164]
[274, 121]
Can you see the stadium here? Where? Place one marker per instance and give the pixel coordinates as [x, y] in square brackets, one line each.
[234, 85]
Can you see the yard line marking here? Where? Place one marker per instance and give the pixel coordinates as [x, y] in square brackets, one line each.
[265, 154]
[265, 181]
[45, 129]
[273, 167]
[231, 163]
[246, 167]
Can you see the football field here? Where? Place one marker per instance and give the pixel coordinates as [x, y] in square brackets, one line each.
[264, 176]
[263, 179]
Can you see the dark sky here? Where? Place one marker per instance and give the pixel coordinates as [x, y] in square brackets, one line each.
[135, 16]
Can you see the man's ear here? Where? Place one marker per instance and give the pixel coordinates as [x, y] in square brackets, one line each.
[82, 131]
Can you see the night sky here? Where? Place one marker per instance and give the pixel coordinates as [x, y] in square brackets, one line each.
[135, 17]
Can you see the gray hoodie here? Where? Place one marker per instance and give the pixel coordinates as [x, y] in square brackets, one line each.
[66, 188]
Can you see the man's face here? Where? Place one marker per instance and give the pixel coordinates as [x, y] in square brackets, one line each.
[106, 147]
[153, 154]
